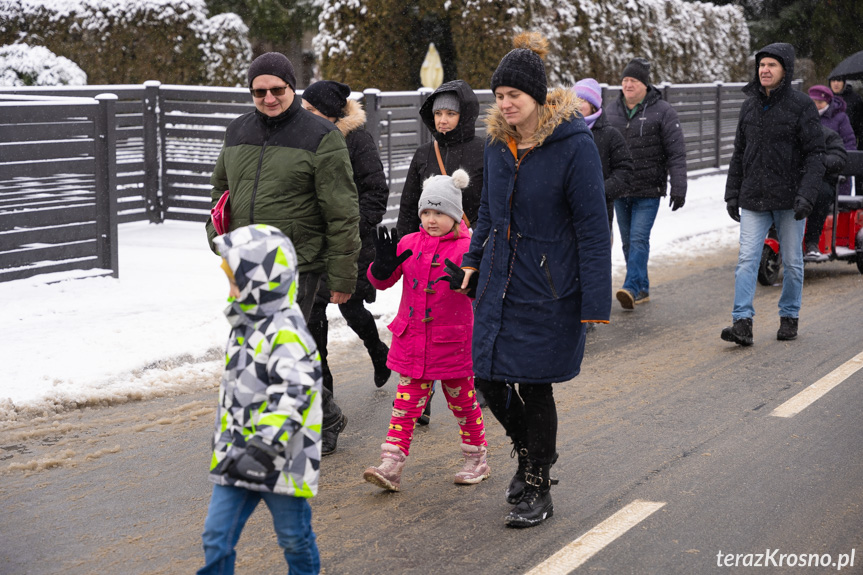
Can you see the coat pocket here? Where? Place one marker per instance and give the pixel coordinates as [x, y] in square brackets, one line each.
[398, 325]
[449, 350]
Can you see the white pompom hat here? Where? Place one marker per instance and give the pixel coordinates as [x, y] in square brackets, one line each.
[443, 193]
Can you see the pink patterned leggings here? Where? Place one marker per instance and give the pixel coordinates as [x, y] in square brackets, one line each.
[411, 399]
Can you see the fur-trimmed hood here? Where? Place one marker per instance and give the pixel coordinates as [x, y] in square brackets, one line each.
[561, 103]
[354, 118]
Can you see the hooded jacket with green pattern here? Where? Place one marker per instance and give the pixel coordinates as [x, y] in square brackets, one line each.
[293, 172]
[271, 386]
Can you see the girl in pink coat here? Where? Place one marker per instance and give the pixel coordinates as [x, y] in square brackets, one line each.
[431, 332]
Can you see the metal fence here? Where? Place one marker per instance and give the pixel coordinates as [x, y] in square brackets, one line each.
[58, 184]
[165, 140]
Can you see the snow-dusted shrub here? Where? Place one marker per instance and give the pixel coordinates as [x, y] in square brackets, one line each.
[686, 41]
[23, 65]
[227, 51]
[124, 41]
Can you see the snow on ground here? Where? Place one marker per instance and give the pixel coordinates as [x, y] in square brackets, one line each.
[159, 328]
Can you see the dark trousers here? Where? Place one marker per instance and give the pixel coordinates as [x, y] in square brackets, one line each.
[823, 206]
[529, 415]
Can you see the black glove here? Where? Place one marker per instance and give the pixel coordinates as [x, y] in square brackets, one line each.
[255, 464]
[733, 210]
[676, 202]
[455, 277]
[802, 208]
[386, 261]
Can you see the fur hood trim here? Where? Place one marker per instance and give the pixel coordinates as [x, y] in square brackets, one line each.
[561, 104]
[354, 118]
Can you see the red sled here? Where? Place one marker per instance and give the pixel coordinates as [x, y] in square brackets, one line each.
[221, 214]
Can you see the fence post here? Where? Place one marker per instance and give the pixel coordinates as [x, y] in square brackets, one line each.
[152, 197]
[424, 133]
[373, 114]
[105, 144]
[718, 134]
[163, 156]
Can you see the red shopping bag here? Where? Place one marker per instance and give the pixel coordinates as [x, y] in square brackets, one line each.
[220, 215]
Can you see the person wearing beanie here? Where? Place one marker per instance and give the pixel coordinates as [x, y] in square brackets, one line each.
[431, 332]
[329, 100]
[539, 262]
[778, 128]
[653, 134]
[613, 151]
[450, 114]
[286, 168]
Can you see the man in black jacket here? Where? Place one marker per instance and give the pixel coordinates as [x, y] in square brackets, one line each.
[654, 137]
[773, 179]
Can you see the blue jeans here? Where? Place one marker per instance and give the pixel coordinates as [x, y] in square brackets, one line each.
[753, 231]
[231, 507]
[635, 217]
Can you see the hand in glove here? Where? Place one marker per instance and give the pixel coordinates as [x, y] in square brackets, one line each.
[802, 208]
[255, 464]
[386, 261]
[455, 277]
[733, 210]
[676, 202]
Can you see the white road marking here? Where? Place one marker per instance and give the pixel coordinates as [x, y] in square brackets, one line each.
[576, 553]
[809, 395]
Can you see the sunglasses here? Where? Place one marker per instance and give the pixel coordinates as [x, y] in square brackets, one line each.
[262, 92]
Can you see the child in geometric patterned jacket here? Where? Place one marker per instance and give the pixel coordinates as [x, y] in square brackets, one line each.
[432, 331]
[267, 438]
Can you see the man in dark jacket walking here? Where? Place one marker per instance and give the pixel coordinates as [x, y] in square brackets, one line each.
[290, 169]
[654, 137]
[773, 179]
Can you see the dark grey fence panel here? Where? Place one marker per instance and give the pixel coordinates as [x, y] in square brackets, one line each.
[56, 212]
[129, 115]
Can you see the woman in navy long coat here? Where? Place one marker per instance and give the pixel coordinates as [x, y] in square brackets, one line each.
[541, 253]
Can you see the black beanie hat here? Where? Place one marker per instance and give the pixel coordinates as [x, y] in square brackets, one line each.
[329, 97]
[638, 68]
[274, 64]
[522, 68]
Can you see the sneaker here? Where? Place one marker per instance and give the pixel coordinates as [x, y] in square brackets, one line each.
[787, 329]
[330, 435]
[739, 333]
[625, 298]
[475, 467]
[813, 254]
[387, 475]
[642, 297]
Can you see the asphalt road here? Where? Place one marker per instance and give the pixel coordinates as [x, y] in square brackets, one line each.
[665, 418]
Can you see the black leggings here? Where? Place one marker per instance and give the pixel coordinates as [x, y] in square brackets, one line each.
[529, 415]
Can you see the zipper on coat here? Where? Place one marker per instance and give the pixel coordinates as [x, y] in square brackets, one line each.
[544, 265]
[258, 177]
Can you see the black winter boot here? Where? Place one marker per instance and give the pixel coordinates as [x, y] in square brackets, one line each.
[334, 423]
[379, 352]
[535, 505]
[739, 333]
[787, 329]
[515, 489]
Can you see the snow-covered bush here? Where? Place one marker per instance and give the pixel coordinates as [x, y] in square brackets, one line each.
[685, 41]
[227, 51]
[130, 41]
[23, 65]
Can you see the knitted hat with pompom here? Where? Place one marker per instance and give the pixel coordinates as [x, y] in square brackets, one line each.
[522, 68]
[443, 194]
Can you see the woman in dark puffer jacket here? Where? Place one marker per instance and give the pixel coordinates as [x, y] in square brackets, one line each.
[454, 130]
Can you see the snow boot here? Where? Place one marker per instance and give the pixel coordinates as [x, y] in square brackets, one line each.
[535, 505]
[787, 329]
[378, 353]
[475, 467]
[330, 435]
[515, 489]
[739, 333]
[387, 475]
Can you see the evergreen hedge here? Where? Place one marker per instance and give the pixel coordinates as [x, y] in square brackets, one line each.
[373, 43]
[119, 42]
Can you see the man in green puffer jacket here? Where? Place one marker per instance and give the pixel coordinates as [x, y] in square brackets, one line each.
[290, 169]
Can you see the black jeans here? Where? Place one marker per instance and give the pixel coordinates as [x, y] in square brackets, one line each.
[529, 415]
